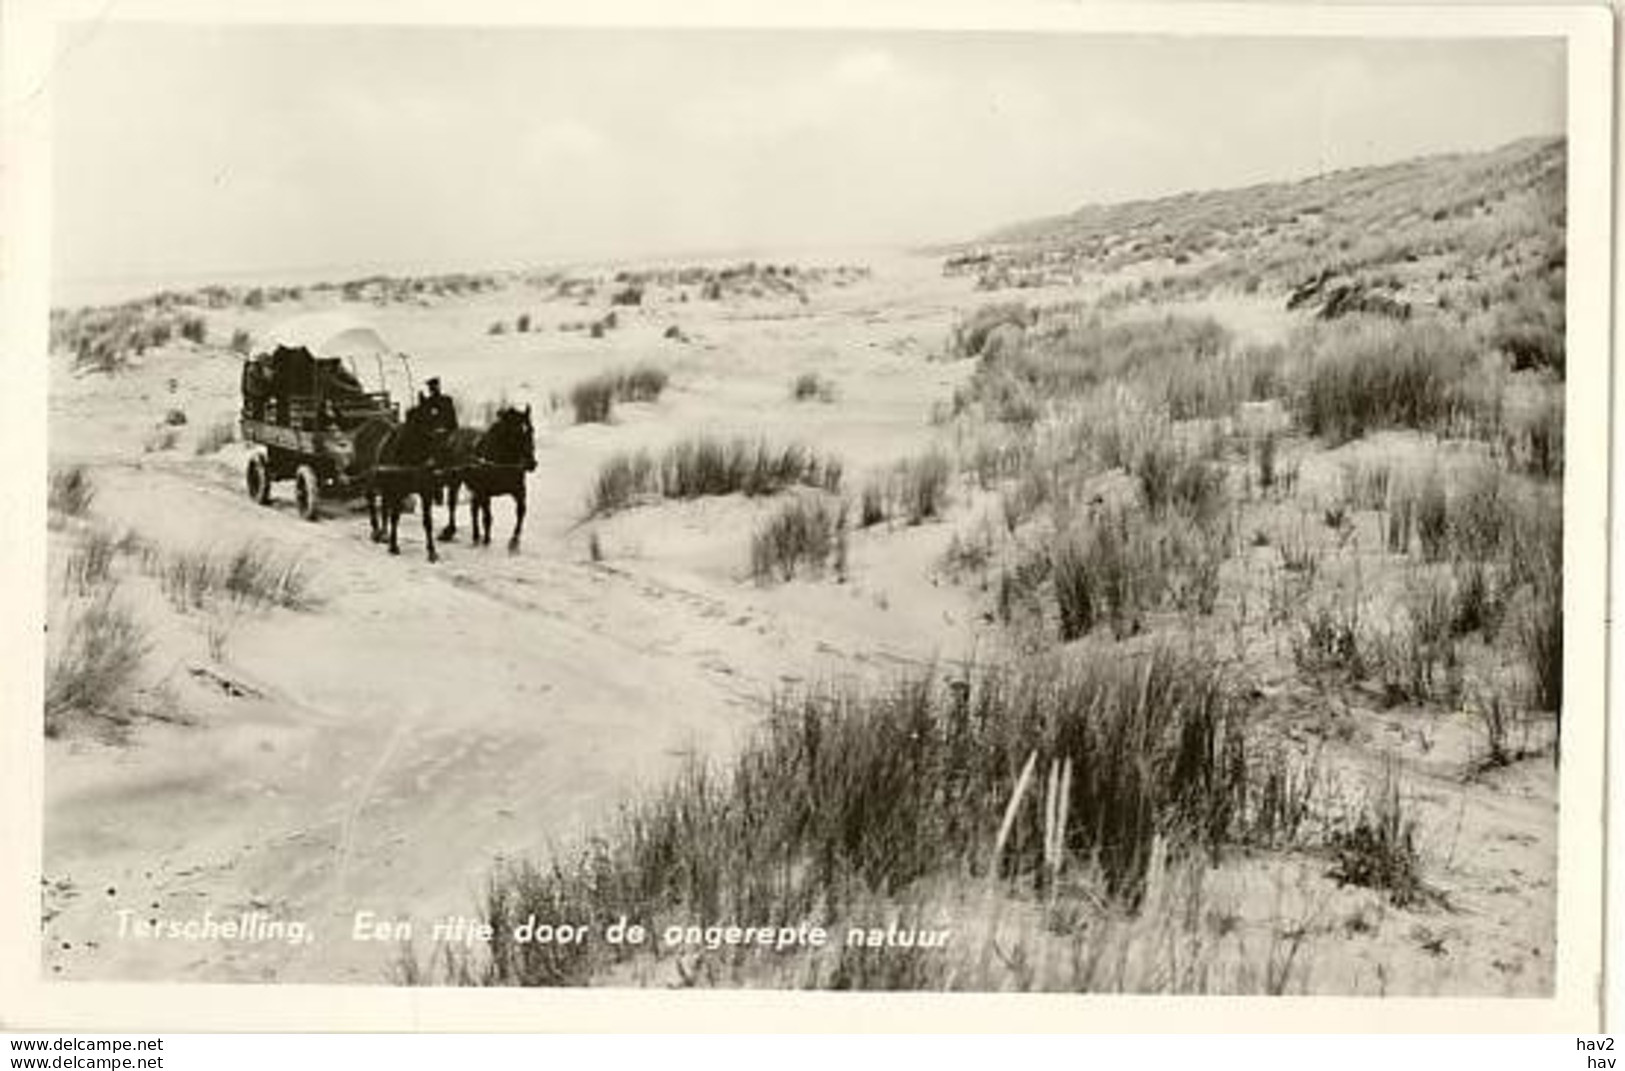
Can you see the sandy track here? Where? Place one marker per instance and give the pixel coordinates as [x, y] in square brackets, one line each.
[391, 742]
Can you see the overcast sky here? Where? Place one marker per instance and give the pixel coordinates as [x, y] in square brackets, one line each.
[187, 150]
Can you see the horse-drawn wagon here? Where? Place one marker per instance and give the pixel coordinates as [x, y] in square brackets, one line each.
[302, 400]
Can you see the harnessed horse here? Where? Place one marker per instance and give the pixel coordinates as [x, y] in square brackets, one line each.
[490, 463]
[395, 461]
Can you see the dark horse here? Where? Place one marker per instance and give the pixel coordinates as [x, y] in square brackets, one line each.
[395, 461]
[490, 463]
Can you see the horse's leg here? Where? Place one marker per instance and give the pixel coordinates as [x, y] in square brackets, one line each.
[393, 500]
[449, 532]
[372, 512]
[428, 517]
[518, 517]
[485, 512]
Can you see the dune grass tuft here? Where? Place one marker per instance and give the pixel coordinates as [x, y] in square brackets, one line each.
[847, 800]
[594, 399]
[706, 465]
[71, 491]
[1365, 374]
[101, 652]
[805, 534]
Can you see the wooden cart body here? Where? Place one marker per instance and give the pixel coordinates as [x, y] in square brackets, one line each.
[305, 435]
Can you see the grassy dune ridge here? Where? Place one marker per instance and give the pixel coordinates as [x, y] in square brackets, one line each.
[1155, 538]
[1467, 234]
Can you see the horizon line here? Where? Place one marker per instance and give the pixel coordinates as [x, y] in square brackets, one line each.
[498, 265]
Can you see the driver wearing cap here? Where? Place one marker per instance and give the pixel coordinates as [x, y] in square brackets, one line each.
[441, 411]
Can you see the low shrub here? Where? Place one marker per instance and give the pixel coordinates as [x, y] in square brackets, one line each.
[101, 652]
[810, 386]
[1431, 508]
[1532, 441]
[71, 491]
[1377, 848]
[1171, 478]
[706, 465]
[1423, 661]
[1529, 327]
[1264, 454]
[1120, 565]
[1366, 373]
[90, 563]
[970, 337]
[622, 480]
[1331, 641]
[640, 383]
[1534, 559]
[874, 504]
[921, 486]
[803, 534]
[250, 576]
[593, 399]
[257, 574]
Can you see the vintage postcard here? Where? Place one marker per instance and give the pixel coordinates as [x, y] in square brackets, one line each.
[538, 516]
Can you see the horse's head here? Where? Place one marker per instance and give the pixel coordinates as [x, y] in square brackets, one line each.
[512, 439]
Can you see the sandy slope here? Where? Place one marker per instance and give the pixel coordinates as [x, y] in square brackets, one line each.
[425, 719]
[379, 750]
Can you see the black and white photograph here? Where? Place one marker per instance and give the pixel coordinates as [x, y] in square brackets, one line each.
[876, 507]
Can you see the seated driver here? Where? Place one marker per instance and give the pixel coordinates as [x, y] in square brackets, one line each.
[442, 412]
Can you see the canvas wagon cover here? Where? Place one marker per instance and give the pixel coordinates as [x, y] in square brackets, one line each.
[306, 351]
[328, 335]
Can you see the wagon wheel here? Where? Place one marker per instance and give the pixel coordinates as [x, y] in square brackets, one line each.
[259, 479]
[307, 492]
